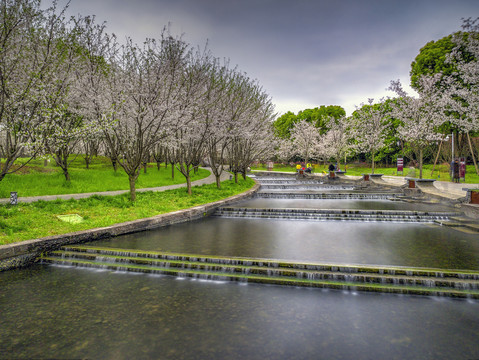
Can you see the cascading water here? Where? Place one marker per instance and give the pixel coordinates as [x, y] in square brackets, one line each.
[335, 214]
[367, 278]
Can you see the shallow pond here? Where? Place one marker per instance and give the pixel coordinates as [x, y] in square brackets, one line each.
[61, 312]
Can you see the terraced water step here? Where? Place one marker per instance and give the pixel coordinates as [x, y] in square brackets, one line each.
[335, 214]
[278, 178]
[290, 181]
[420, 281]
[326, 195]
[304, 186]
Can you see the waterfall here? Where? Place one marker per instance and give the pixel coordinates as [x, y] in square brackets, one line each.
[418, 281]
[334, 214]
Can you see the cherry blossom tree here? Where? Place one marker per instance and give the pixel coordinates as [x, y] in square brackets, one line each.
[32, 60]
[335, 142]
[305, 140]
[93, 95]
[252, 132]
[188, 144]
[420, 117]
[462, 86]
[223, 114]
[65, 127]
[146, 93]
[367, 128]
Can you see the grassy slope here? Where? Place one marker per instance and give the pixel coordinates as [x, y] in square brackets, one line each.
[37, 179]
[35, 220]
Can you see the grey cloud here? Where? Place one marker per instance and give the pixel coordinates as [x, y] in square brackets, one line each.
[303, 51]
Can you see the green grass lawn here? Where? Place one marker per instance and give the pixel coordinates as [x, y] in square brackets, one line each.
[441, 172]
[37, 179]
[39, 219]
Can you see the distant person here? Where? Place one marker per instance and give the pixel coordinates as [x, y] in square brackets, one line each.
[456, 171]
[298, 167]
[308, 168]
[331, 168]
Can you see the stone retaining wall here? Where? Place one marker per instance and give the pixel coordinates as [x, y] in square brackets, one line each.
[26, 252]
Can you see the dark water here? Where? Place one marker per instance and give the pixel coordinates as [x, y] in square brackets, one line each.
[54, 312]
[66, 313]
[378, 243]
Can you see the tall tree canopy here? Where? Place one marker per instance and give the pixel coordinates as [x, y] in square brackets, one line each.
[318, 117]
[433, 58]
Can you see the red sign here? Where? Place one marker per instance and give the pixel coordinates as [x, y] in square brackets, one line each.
[400, 164]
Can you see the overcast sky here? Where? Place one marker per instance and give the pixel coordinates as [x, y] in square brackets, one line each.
[305, 53]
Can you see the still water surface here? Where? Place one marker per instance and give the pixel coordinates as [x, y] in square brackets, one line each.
[61, 312]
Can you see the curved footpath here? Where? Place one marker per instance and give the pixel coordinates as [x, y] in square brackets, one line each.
[207, 180]
[26, 252]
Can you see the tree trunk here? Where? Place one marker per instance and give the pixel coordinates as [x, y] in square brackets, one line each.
[420, 163]
[338, 160]
[67, 174]
[472, 153]
[144, 167]
[172, 172]
[437, 156]
[372, 167]
[236, 177]
[132, 179]
[188, 184]
[218, 181]
[114, 163]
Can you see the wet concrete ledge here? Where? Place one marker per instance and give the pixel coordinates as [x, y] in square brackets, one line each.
[24, 253]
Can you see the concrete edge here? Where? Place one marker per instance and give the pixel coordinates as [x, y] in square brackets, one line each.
[24, 253]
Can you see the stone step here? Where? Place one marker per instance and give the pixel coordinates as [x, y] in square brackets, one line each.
[335, 214]
[304, 186]
[289, 181]
[391, 270]
[299, 195]
[364, 277]
[402, 280]
[461, 223]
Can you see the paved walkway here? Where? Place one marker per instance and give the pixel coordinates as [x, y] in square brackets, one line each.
[444, 189]
[208, 180]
